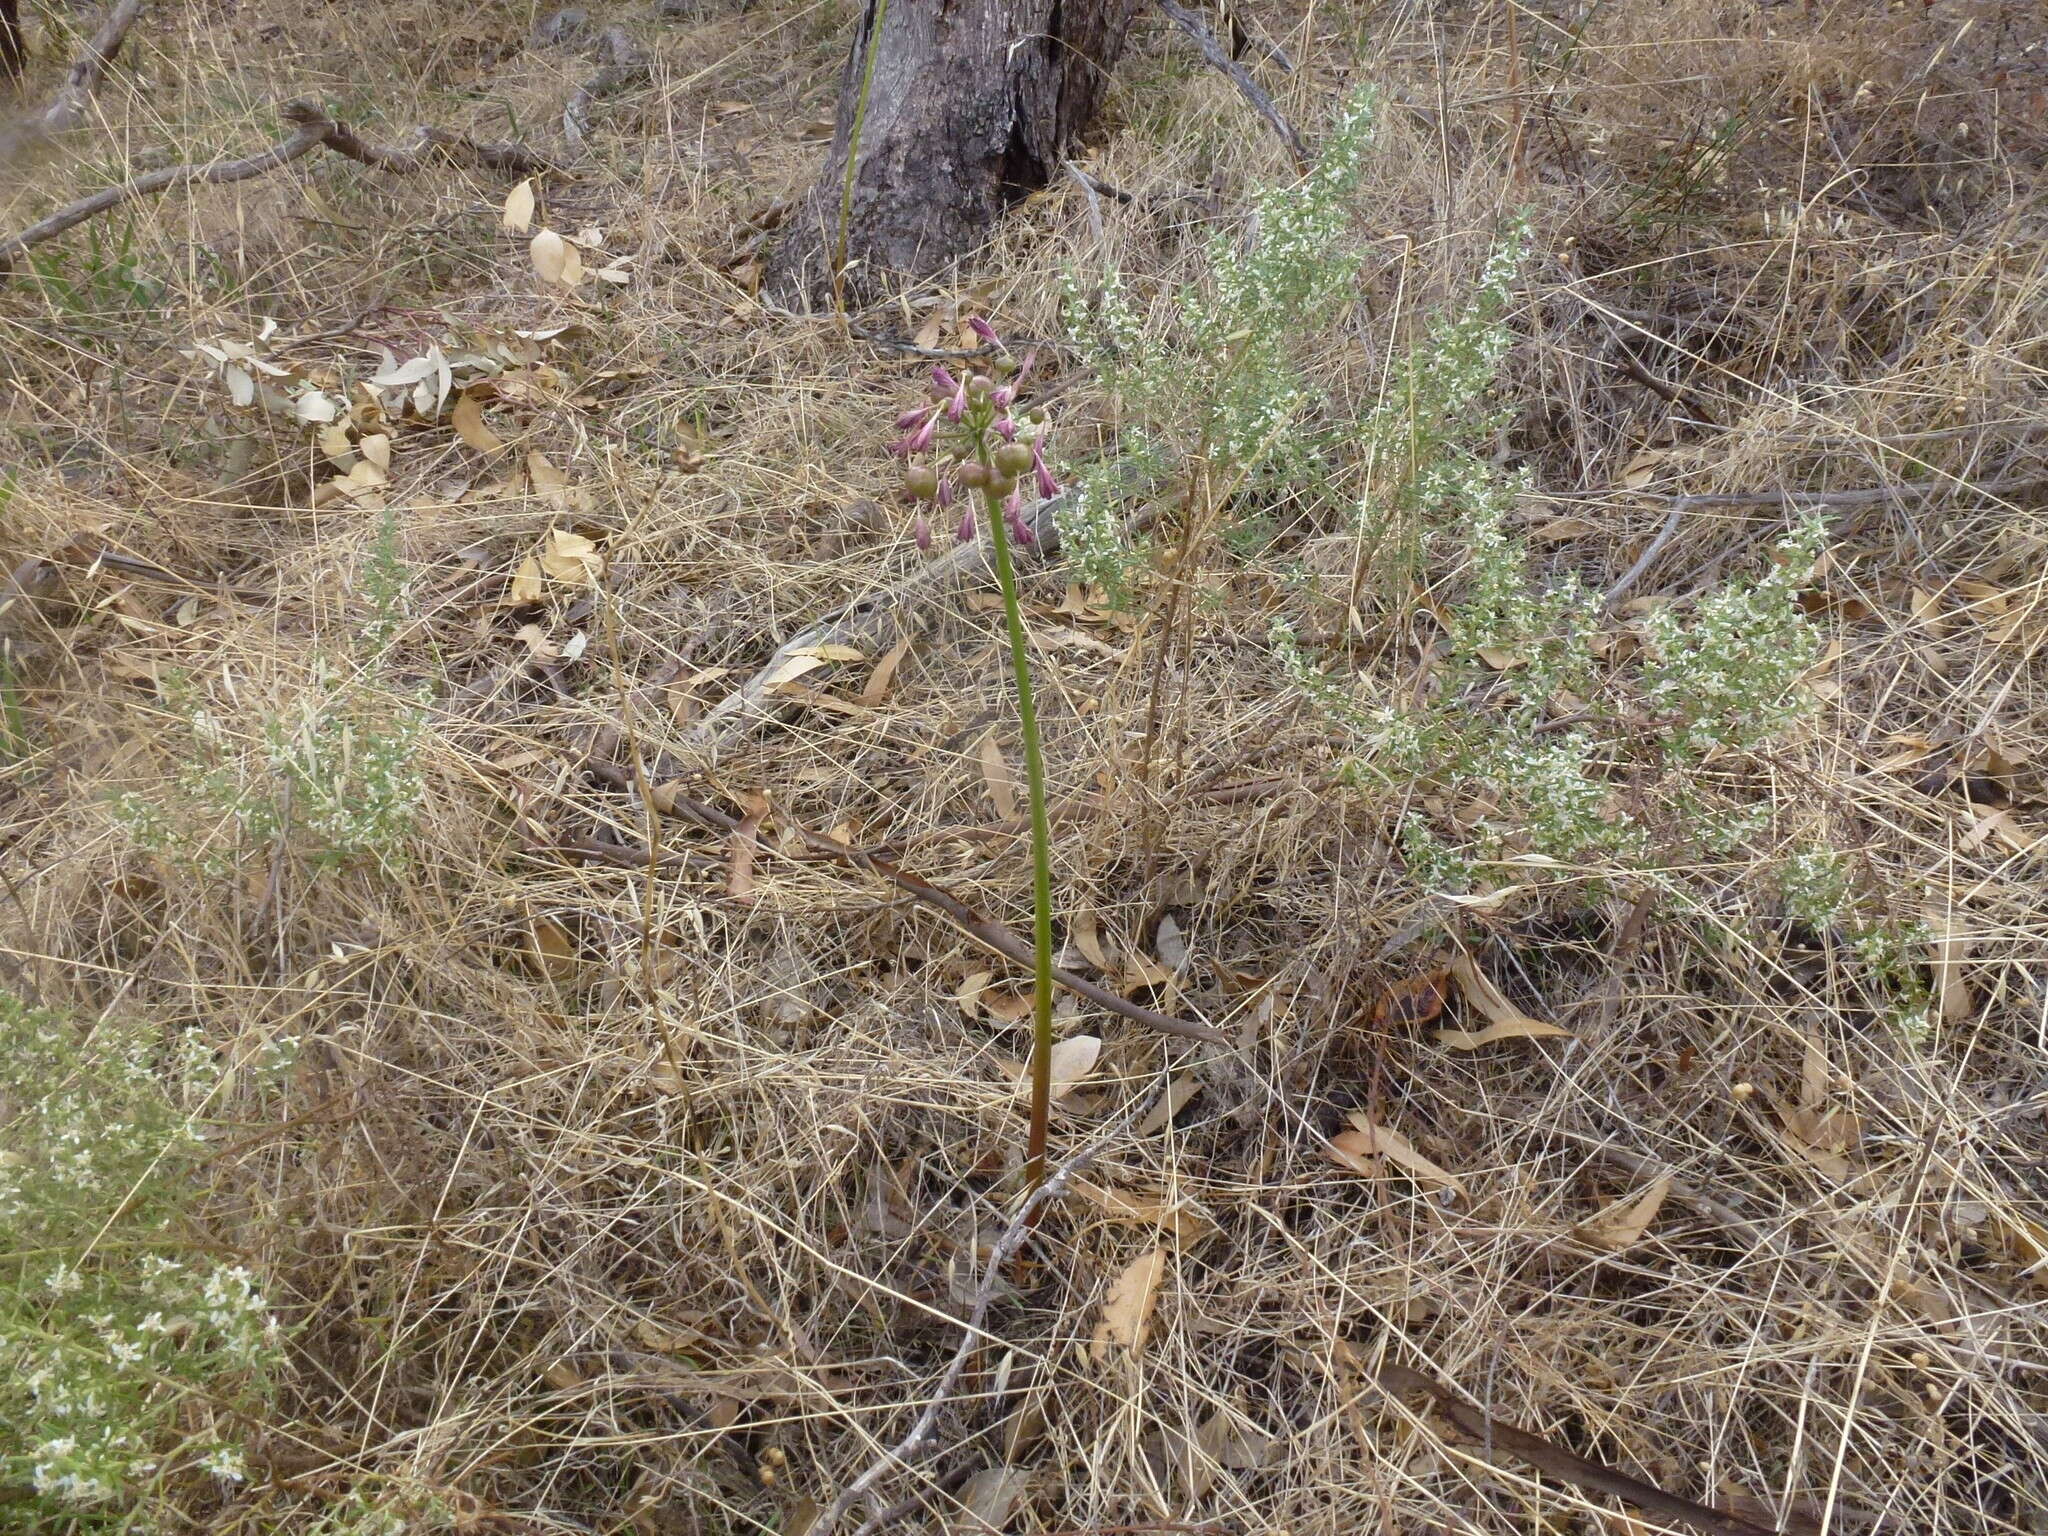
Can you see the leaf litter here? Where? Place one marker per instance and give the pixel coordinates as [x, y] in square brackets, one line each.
[590, 1205]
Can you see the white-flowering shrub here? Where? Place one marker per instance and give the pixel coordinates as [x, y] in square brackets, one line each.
[1727, 676]
[1719, 673]
[339, 772]
[127, 1358]
[1219, 379]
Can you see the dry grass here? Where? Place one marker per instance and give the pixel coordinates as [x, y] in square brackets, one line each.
[542, 1282]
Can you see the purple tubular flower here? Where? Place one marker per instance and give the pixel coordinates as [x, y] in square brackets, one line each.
[921, 531]
[921, 439]
[957, 406]
[911, 418]
[1019, 529]
[943, 383]
[985, 331]
[1047, 486]
[965, 532]
[1004, 397]
[1023, 368]
[1006, 429]
[945, 497]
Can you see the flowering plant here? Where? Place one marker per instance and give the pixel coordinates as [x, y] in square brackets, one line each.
[967, 444]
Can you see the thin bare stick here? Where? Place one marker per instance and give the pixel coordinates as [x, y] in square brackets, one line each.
[991, 936]
[921, 1437]
[1219, 58]
[311, 129]
[430, 146]
[1875, 496]
[1644, 561]
[303, 142]
[1798, 501]
[624, 63]
[74, 98]
[863, 624]
[1497, 1438]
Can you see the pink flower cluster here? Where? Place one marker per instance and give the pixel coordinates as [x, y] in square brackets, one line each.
[966, 438]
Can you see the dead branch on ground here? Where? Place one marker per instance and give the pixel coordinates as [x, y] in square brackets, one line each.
[312, 129]
[1799, 501]
[1254, 93]
[1496, 1438]
[865, 623]
[623, 63]
[74, 98]
[990, 935]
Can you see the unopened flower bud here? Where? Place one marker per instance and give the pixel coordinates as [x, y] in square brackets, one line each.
[985, 331]
[1047, 486]
[965, 532]
[921, 530]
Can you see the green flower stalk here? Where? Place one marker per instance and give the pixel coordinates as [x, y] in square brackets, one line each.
[993, 457]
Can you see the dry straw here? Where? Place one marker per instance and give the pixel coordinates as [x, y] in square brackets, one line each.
[542, 1272]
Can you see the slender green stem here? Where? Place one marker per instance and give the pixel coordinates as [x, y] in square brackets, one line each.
[860, 118]
[1041, 853]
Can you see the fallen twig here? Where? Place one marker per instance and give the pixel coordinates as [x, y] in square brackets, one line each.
[990, 935]
[1219, 57]
[1495, 1437]
[311, 129]
[1875, 496]
[1800, 501]
[1644, 561]
[623, 63]
[863, 624]
[920, 1436]
[74, 97]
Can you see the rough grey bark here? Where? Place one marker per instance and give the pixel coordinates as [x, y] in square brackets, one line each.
[973, 106]
[13, 52]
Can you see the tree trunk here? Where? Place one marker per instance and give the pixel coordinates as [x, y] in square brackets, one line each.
[972, 106]
[13, 52]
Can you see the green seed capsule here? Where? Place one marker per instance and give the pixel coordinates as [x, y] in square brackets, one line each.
[973, 474]
[1012, 459]
[920, 482]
